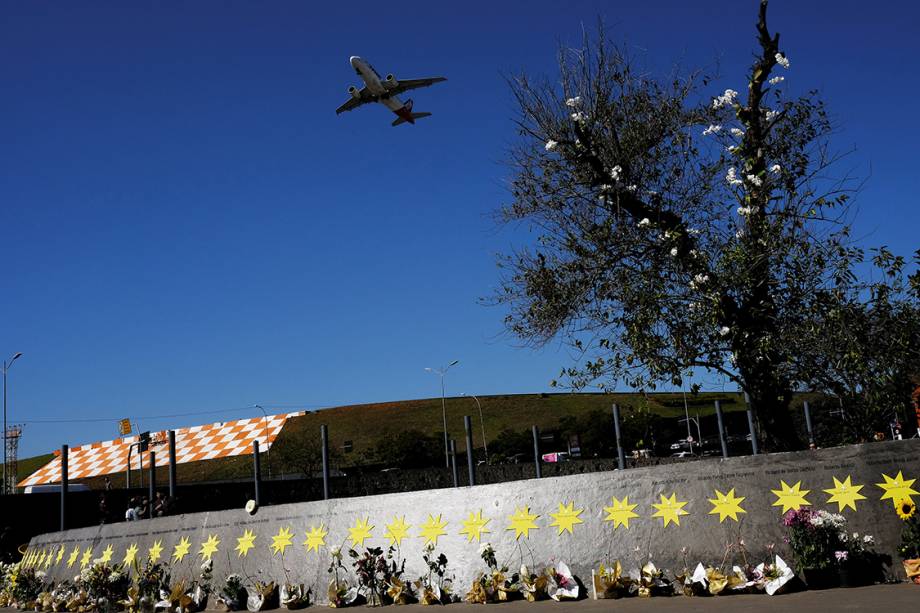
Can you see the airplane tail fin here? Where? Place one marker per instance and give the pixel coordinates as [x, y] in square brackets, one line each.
[414, 116]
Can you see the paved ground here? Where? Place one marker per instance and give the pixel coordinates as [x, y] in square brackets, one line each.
[889, 598]
[902, 598]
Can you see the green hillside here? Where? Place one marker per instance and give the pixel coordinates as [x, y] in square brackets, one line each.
[368, 427]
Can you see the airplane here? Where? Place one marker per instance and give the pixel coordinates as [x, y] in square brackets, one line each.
[384, 91]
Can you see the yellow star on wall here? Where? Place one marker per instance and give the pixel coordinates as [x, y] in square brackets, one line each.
[316, 538]
[87, 555]
[360, 532]
[432, 529]
[669, 509]
[522, 522]
[209, 547]
[73, 556]
[397, 530]
[790, 497]
[41, 559]
[181, 549]
[726, 505]
[245, 543]
[567, 518]
[282, 541]
[621, 512]
[474, 526]
[844, 493]
[898, 488]
[59, 555]
[106, 554]
[130, 554]
[49, 558]
[153, 554]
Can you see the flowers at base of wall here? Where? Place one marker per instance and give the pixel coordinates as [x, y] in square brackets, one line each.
[909, 548]
[435, 587]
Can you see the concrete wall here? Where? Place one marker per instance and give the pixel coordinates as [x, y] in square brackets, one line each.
[589, 543]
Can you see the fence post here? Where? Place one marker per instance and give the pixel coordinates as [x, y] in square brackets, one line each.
[64, 486]
[750, 417]
[621, 456]
[324, 440]
[152, 457]
[172, 463]
[453, 461]
[721, 429]
[811, 434]
[536, 451]
[256, 473]
[469, 449]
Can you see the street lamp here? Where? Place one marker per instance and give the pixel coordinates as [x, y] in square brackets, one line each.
[268, 448]
[6, 367]
[441, 372]
[482, 425]
[687, 413]
[696, 421]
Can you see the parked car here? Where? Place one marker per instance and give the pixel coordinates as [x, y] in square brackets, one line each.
[683, 454]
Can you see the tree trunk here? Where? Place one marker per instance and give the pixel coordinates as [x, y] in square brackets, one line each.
[773, 421]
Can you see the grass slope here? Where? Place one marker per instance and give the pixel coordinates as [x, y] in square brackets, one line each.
[367, 425]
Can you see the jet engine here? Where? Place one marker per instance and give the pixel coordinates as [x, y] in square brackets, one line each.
[355, 93]
[390, 82]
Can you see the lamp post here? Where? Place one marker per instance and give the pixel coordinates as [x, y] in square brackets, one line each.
[699, 434]
[482, 425]
[268, 449]
[687, 414]
[6, 367]
[441, 372]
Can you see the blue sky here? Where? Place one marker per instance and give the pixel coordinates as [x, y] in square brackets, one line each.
[187, 226]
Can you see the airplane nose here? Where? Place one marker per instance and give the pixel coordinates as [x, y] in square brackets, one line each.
[353, 60]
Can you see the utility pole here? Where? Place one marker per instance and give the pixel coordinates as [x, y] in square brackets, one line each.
[6, 367]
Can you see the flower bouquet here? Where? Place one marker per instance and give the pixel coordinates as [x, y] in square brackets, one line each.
[376, 570]
[106, 585]
[25, 584]
[262, 596]
[533, 586]
[78, 600]
[694, 583]
[651, 582]
[610, 582]
[61, 594]
[148, 582]
[339, 593]
[493, 585]
[184, 597]
[44, 601]
[562, 584]
[436, 586]
[233, 594]
[773, 578]
[909, 549]
[295, 596]
[399, 591]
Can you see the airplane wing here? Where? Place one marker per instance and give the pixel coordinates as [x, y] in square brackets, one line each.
[354, 103]
[407, 84]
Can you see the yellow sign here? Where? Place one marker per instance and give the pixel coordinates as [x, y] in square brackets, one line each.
[124, 427]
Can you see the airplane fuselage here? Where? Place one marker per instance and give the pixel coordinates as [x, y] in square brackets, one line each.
[375, 85]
